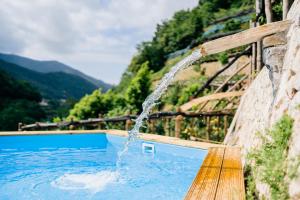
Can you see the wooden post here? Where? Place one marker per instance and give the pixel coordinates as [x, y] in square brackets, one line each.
[152, 126]
[253, 56]
[207, 127]
[225, 124]
[258, 7]
[259, 56]
[71, 126]
[268, 11]
[285, 8]
[178, 121]
[20, 126]
[167, 126]
[258, 46]
[100, 116]
[258, 53]
[128, 124]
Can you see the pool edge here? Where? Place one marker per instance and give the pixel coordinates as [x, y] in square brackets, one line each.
[144, 136]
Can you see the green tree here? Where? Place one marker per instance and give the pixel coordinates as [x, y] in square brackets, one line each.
[90, 106]
[97, 103]
[139, 88]
[19, 102]
[187, 93]
[21, 110]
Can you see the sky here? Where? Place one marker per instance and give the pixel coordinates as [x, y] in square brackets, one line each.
[97, 37]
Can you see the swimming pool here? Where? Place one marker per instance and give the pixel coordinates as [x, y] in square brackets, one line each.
[83, 166]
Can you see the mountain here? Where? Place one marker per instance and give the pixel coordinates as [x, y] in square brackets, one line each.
[52, 85]
[49, 67]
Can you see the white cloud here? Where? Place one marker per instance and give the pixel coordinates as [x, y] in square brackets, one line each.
[97, 37]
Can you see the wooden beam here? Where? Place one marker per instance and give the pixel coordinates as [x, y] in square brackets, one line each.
[212, 78]
[237, 83]
[196, 102]
[274, 40]
[231, 89]
[225, 82]
[243, 38]
[231, 76]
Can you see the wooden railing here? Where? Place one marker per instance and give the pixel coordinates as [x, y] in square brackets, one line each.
[171, 123]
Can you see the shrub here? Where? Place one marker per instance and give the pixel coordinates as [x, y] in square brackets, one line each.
[223, 58]
[269, 163]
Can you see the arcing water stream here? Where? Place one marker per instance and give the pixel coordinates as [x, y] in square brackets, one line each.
[152, 99]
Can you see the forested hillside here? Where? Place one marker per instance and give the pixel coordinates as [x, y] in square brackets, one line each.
[49, 67]
[54, 85]
[172, 40]
[19, 102]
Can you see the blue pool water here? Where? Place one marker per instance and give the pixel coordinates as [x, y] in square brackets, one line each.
[84, 167]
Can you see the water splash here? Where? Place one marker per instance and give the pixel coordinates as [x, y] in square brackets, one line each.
[153, 98]
[93, 182]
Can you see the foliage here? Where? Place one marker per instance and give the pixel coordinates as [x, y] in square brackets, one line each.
[277, 10]
[172, 95]
[168, 65]
[19, 102]
[59, 108]
[187, 93]
[223, 58]
[139, 88]
[270, 163]
[232, 25]
[91, 106]
[250, 184]
[112, 103]
[13, 89]
[57, 119]
[22, 110]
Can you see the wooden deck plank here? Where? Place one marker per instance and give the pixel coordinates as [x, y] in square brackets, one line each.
[220, 176]
[205, 184]
[231, 183]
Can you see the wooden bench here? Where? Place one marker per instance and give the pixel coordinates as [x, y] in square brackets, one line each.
[220, 176]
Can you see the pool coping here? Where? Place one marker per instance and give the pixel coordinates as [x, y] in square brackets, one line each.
[122, 133]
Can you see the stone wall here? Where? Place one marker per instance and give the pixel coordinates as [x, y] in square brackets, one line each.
[274, 92]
